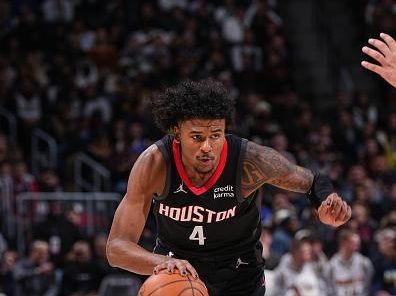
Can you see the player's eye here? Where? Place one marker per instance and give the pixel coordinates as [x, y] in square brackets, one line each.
[197, 137]
[215, 136]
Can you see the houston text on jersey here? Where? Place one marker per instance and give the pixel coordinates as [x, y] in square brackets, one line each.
[195, 214]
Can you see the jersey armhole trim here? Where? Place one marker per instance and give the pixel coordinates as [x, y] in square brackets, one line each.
[239, 169]
[165, 154]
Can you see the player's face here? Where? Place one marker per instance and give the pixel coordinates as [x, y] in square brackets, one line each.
[201, 143]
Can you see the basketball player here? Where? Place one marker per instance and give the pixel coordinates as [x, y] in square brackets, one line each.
[385, 55]
[203, 183]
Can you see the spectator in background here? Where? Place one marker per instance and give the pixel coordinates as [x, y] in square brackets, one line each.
[120, 161]
[362, 223]
[281, 200]
[103, 53]
[167, 5]
[280, 143]
[58, 231]
[356, 176]
[380, 172]
[48, 181]
[364, 111]
[7, 265]
[35, 275]
[385, 263]
[23, 181]
[371, 194]
[99, 147]
[58, 11]
[346, 135]
[96, 105]
[286, 226]
[319, 258]
[247, 56]
[349, 272]
[387, 139]
[80, 275]
[295, 274]
[384, 16]
[231, 20]
[28, 103]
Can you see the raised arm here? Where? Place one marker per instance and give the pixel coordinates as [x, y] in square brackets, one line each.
[263, 165]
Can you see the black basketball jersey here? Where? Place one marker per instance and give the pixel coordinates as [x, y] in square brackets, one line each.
[212, 221]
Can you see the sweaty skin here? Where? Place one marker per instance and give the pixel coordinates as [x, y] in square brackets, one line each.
[201, 141]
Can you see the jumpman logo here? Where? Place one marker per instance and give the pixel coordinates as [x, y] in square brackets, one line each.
[240, 262]
[180, 189]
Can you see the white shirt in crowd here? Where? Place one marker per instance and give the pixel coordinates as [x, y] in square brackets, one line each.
[350, 278]
[289, 281]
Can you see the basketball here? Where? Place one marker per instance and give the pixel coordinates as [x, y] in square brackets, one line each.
[165, 284]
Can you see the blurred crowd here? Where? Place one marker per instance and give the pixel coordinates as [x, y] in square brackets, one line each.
[84, 71]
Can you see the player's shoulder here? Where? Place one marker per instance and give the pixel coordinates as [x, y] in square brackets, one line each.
[149, 170]
[151, 158]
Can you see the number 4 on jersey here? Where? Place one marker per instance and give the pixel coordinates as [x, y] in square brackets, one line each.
[198, 235]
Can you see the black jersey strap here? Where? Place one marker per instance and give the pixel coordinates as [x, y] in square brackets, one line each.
[161, 147]
[239, 169]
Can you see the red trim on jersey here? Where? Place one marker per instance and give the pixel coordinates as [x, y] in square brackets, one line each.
[212, 180]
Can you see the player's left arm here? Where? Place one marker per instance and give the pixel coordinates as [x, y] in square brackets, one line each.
[265, 165]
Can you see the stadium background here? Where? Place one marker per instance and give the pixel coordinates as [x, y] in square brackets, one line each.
[75, 82]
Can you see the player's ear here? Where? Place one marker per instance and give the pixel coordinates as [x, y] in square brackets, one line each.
[177, 137]
[176, 133]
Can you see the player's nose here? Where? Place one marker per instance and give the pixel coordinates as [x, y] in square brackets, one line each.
[206, 147]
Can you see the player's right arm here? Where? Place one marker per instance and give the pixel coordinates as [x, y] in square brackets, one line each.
[147, 178]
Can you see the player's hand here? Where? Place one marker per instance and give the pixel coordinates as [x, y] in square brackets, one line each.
[384, 53]
[183, 266]
[334, 211]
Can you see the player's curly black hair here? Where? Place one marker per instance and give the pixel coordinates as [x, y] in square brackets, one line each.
[204, 99]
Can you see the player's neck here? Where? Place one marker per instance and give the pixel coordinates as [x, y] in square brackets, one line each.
[198, 179]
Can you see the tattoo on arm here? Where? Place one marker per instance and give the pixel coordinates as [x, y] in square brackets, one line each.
[252, 175]
[265, 165]
[300, 180]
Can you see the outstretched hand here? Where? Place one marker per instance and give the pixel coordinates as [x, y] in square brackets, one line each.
[334, 211]
[384, 53]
